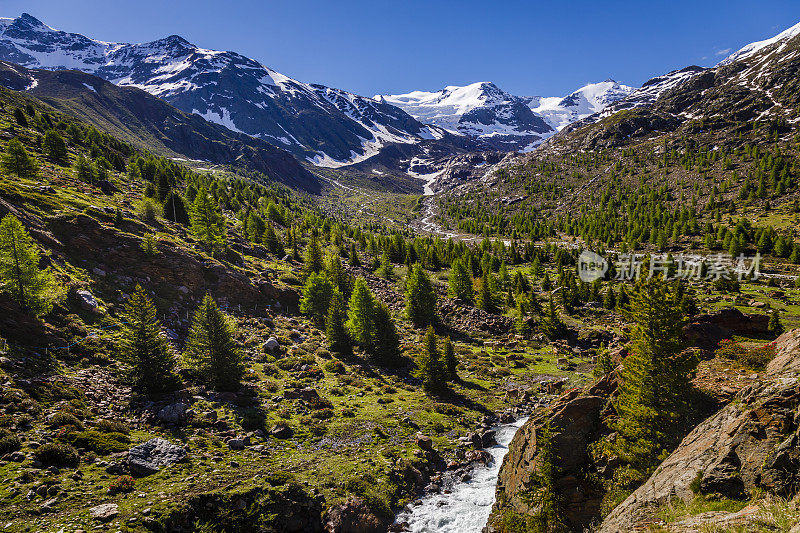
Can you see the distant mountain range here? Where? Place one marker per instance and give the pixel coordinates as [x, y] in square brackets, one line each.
[322, 125]
[507, 122]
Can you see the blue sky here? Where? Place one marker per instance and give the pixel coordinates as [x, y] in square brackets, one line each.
[526, 47]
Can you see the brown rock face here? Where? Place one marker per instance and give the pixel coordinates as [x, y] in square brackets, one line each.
[574, 421]
[752, 443]
[786, 361]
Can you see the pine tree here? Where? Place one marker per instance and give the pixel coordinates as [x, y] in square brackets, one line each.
[316, 297]
[432, 370]
[655, 378]
[552, 325]
[149, 245]
[272, 241]
[541, 493]
[83, 169]
[360, 313]
[610, 298]
[175, 209]
[459, 283]
[211, 349]
[420, 297]
[775, 325]
[485, 299]
[450, 360]
[385, 345]
[16, 160]
[207, 222]
[144, 346]
[312, 257]
[54, 147]
[20, 274]
[353, 256]
[386, 268]
[335, 330]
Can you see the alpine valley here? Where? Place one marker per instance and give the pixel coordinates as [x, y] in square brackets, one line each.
[234, 301]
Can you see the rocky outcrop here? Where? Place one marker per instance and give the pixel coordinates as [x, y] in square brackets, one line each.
[752, 443]
[708, 329]
[575, 422]
[786, 360]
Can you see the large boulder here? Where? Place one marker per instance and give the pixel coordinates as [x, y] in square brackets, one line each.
[751, 444]
[104, 512]
[172, 413]
[787, 360]
[574, 422]
[148, 458]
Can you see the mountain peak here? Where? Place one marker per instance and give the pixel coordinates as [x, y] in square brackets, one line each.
[752, 48]
[30, 20]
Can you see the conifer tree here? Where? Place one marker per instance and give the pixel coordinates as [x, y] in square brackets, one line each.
[312, 257]
[20, 274]
[211, 349]
[353, 256]
[420, 297]
[386, 268]
[175, 209]
[144, 346]
[54, 147]
[316, 297]
[541, 493]
[15, 160]
[459, 283]
[360, 313]
[83, 169]
[775, 325]
[335, 330]
[450, 360]
[385, 345]
[485, 299]
[207, 222]
[272, 241]
[552, 325]
[432, 370]
[654, 380]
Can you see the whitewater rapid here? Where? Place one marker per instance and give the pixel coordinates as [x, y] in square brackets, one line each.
[467, 507]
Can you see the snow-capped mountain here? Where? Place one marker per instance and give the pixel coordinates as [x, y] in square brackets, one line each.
[327, 126]
[753, 48]
[589, 99]
[484, 111]
[479, 110]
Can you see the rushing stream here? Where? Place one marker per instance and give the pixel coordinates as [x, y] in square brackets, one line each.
[467, 506]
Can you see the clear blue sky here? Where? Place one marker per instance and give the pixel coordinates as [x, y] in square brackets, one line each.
[526, 47]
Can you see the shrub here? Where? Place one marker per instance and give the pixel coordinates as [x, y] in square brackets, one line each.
[64, 419]
[101, 443]
[146, 211]
[8, 442]
[112, 426]
[121, 484]
[56, 454]
[334, 367]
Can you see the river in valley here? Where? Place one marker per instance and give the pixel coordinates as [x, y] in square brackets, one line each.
[466, 508]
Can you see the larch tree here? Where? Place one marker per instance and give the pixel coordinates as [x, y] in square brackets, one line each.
[655, 378]
[335, 330]
[459, 282]
[207, 222]
[211, 349]
[20, 274]
[144, 346]
[420, 297]
[360, 314]
[15, 160]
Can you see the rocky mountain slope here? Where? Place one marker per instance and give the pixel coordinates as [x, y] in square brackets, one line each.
[149, 123]
[326, 126]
